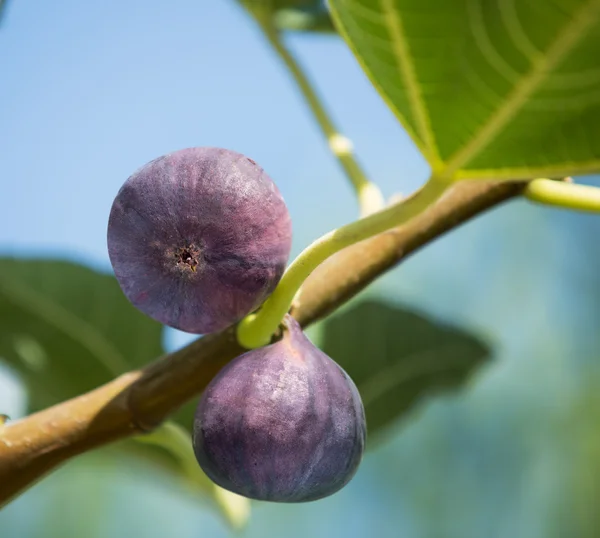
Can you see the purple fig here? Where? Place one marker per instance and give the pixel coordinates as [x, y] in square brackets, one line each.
[199, 238]
[281, 423]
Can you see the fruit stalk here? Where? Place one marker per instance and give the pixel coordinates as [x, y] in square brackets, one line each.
[257, 329]
[564, 194]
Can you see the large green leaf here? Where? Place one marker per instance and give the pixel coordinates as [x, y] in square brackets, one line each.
[66, 329]
[486, 88]
[397, 357]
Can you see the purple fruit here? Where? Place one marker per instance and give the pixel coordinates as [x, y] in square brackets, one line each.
[281, 423]
[199, 238]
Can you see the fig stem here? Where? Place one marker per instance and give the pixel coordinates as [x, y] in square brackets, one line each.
[563, 194]
[257, 329]
[370, 198]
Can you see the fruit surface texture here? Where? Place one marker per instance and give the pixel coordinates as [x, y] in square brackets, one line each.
[199, 238]
[281, 423]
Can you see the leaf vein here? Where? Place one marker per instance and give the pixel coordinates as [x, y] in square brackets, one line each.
[539, 72]
[407, 69]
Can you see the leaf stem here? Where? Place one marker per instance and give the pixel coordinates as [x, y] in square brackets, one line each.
[564, 194]
[257, 329]
[369, 196]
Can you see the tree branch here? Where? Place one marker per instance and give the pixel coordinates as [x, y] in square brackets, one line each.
[138, 401]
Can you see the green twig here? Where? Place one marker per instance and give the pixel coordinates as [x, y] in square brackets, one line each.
[369, 196]
[564, 194]
[256, 330]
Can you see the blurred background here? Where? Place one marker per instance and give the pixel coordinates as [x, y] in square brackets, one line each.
[91, 91]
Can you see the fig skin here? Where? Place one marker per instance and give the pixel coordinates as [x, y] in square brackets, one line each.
[199, 238]
[282, 423]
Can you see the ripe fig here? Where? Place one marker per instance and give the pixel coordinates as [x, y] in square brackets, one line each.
[199, 238]
[282, 423]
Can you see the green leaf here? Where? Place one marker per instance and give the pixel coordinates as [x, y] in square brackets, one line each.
[486, 88]
[66, 329]
[397, 357]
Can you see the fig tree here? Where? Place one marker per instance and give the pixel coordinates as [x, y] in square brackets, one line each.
[281, 423]
[199, 238]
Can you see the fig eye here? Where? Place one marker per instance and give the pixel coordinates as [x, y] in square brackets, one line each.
[188, 257]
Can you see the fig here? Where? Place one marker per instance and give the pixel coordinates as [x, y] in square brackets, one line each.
[199, 238]
[282, 423]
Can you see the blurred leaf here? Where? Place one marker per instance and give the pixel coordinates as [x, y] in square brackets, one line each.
[2, 9]
[67, 329]
[294, 15]
[304, 21]
[397, 357]
[276, 5]
[576, 438]
[486, 89]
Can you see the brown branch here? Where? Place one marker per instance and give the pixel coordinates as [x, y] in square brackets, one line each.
[138, 401]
